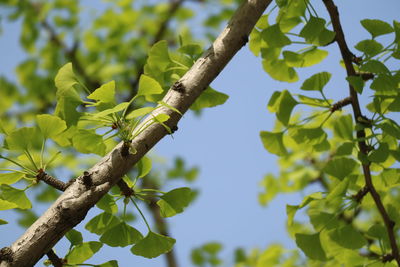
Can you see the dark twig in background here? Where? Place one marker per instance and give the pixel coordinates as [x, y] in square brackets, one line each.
[348, 59]
[55, 260]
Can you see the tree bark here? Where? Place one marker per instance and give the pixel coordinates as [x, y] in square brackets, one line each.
[72, 206]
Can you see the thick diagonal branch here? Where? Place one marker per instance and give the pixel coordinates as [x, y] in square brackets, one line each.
[348, 59]
[72, 206]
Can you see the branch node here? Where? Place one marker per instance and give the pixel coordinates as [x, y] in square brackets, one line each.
[125, 148]
[179, 87]
[340, 104]
[6, 254]
[245, 39]
[87, 179]
[125, 189]
[365, 75]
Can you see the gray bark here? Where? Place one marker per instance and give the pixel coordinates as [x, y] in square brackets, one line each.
[72, 206]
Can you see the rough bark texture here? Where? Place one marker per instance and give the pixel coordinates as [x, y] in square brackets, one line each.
[72, 206]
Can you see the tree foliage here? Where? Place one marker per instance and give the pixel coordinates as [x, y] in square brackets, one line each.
[86, 90]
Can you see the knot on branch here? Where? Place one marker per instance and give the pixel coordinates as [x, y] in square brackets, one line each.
[340, 104]
[6, 254]
[87, 179]
[125, 148]
[179, 87]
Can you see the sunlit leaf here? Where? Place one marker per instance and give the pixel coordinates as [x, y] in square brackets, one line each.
[121, 235]
[50, 125]
[279, 70]
[310, 244]
[104, 94]
[340, 167]
[175, 201]
[209, 98]
[348, 237]
[15, 196]
[274, 37]
[273, 142]
[283, 104]
[153, 245]
[316, 82]
[107, 203]
[314, 32]
[376, 27]
[74, 236]
[81, 253]
[100, 223]
[20, 139]
[139, 112]
[10, 177]
[86, 141]
[148, 86]
[369, 47]
[144, 167]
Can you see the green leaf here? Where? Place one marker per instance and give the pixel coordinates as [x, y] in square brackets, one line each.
[310, 136]
[290, 212]
[255, 42]
[311, 101]
[50, 125]
[16, 196]
[100, 223]
[112, 263]
[209, 98]
[338, 192]
[120, 107]
[20, 139]
[388, 126]
[3, 221]
[86, 141]
[313, 56]
[311, 246]
[340, 167]
[316, 82]
[191, 49]
[104, 94]
[10, 177]
[81, 253]
[6, 205]
[121, 235]
[148, 86]
[273, 142]
[348, 237]
[375, 66]
[144, 167]
[107, 203]
[345, 149]
[369, 47]
[314, 32]
[280, 71]
[356, 82]
[376, 27]
[343, 127]
[175, 201]
[139, 112]
[158, 56]
[153, 245]
[75, 237]
[65, 81]
[283, 104]
[386, 84]
[323, 220]
[274, 37]
[379, 155]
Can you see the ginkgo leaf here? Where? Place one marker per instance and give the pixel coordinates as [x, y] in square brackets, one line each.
[148, 86]
[15, 196]
[100, 223]
[121, 235]
[104, 94]
[310, 244]
[139, 112]
[65, 80]
[376, 27]
[208, 99]
[316, 82]
[20, 139]
[50, 125]
[175, 201]
[153, 245]
[282, 103]
[86, 141]
[279, 70]
[81, 253]
[273, 142]
[10, 177]
[144, 167]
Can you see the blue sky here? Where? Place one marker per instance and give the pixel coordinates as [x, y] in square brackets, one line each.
[225, 144]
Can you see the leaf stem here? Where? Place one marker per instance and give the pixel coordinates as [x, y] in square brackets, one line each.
[141, 214]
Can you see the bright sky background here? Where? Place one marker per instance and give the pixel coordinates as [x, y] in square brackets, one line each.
[225, 144]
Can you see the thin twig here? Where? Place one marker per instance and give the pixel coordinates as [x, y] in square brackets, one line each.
[50, 180]
[55, 260]
[348, 59]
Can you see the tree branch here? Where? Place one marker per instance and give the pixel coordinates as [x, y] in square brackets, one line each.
[348, 59]
[72, 206]
[50, 180]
